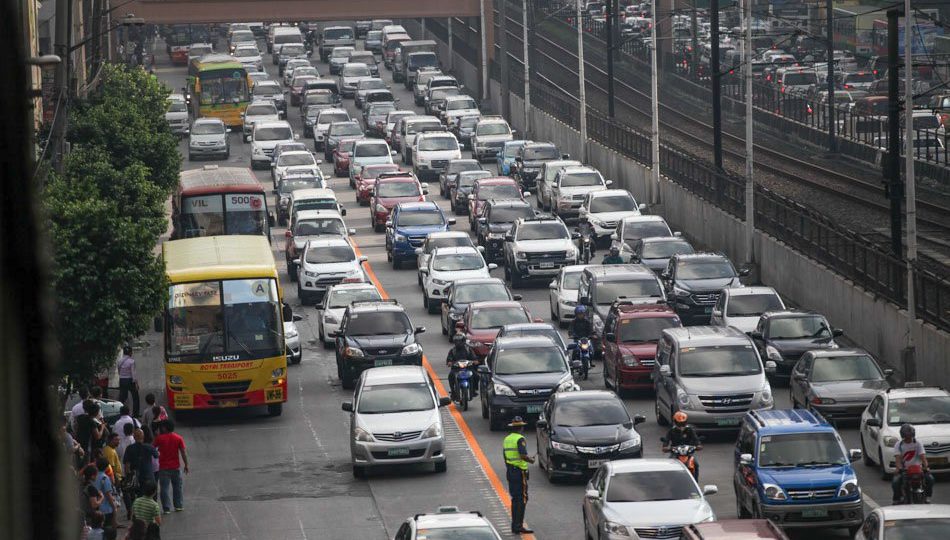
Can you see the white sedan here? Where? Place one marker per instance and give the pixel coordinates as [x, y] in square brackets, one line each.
[446, 265]
[335, 302]
[563, 293]
[436, 240]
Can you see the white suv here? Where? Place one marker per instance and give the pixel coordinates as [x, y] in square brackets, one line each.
[335, 302]
[491, 134]
[447, 264]
[570, 188]
[926, 408]
[537, 247]
[258, 111]
[741, 307]
[324, 263]
[604, 210]
[265, 137]
[432, 151]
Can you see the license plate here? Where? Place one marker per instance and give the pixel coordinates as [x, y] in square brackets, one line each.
[274, 394]
[397, 452]
[534, 409]
[814, 513]
[228, 403]
[727, 422]
[546, 265]
[381, 363]
[184, 401]
[937, 460]
[595, 463]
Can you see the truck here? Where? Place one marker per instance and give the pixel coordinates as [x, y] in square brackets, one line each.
[401, 67]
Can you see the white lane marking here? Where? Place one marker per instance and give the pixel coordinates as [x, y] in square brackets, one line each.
[306, 417]
[869, 501]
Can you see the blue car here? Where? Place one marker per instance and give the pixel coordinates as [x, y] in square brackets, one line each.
[792, 468]
[408, 226]
[506, 157]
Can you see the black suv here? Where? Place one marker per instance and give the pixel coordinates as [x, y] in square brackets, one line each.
[496, 222]
[783, 336]
[693, 283]
[374, 334]
[529, 161]
[519, 375]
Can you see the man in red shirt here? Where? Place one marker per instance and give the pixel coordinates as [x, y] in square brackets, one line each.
[170, 446]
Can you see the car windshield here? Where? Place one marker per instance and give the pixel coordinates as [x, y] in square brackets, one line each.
[460, 104]
[548, 332]
[468, 123]
[289, 160]
[481, 292]
[508, 214]
[341, 298]
[539, 153]
[799, 328]
[330, 118]
[494, 128]
[898, 529]
[330, 254]
[207, 128]
[800, 79]
[397, 189]
[378, 323]
[665, 249]
[422, 127]
[646, 330]
[635, 230]
[320, 227]
[613, 203]
[372, 172]
[845, 368]
[372, 149]
[609, 291]
[466, 179]
[499, 191]
[443, 92]
[202, 50]
[420, 219]
[753, 305]
[522, 360]
[581, 179]
[292, 49]
[800, 450]
[479, 532]
[371, 84]
[705, 269]
[447, 241]
[511, 150]
[356, 70]
[718, 361]
[374, 35]
[918, 410]
[273, 134]
[395, 398]
[459, 165]
[571, 281]
[344, 129]
[543, 231]
[338, 33]
[289, 185]
[484, 318]
[590, 412]
[260, 110]
[177, 106]
[266, 90]
[646, 486]
[341, 52]
[245, 52]
[865, 77]
[438, 143]
[346, 146]
[458, 261]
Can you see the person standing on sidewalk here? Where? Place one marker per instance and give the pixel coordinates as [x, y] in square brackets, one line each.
[170, 447]
[128, 382]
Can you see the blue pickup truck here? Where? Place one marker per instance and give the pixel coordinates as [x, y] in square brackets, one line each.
[408, 226]
[791, 467]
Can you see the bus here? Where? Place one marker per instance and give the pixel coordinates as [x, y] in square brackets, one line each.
[179, 37]
[223, 325]
[852, 26]
[217, 201]
[923, 39]
[220, 88]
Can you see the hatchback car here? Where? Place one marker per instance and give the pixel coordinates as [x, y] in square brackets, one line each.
[365, 180]
[436, 240]
[375, 334]
[326, 262]
[395, 420]
[926, 408]
[208, 138]
[838, 383]
[445, 265]
[482, 321]
[783, 336]
[390, 190]
[335, 301]
[563, 293]
[741, 307]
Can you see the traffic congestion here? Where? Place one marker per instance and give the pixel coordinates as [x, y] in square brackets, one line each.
[476, 335]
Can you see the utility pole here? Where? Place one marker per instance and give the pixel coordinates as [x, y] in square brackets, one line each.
[830, 40]
[581, 91]
[910, 188]
[525, 56]
[893, 171]
[611, 7]
[484, 62]
[745, 7]
[503, 63]
[716, 81]
[61, 83]
[654, 187]
[451, 45]
[694, 38]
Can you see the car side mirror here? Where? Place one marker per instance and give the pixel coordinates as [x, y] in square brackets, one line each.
[552, 285]
[296, 262]
[492, 266]
[296, 137]
[639, 419]
[716, 313]
[418, 251]
[710, 489]
[837, 332]
[471, 196]
[745, 459]
[592, 494]
[424, 271]
[608, 182]
[445, 401]
[347, 406]
[575, 235]
[613, 236]
[565, 156]
[873, 422]
[509, 238]
[755, 334]
[610, 336]
[541, 424]
[677, 234]
[287, 312]
[363, 258]
[297, 318]
[452, 221]
[288, 234]
[392, 152]
[665, 370]
[642, 207]
[888, 372]
[483, 369]
[389, 223]
[420, 330]
[516, 297]
[350, 231]
[770, 367]
[855, 454]
[743, 272]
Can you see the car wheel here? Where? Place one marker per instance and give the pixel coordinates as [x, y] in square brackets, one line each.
[445, 331]
[396, 262]
[660, 419]
[275, 409]
[359, 471]
[441, 466]
[868, 462]
[346, 381]
[419, 278]
[516, 281]
[552, 479]
[292, 272]
[607, 383]
[880, 458]
[741, 512]
[484, 407]
[494, 424]
[191, 157]
[554, 317]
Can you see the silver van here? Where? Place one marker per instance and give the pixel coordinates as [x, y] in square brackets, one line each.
[713, 374]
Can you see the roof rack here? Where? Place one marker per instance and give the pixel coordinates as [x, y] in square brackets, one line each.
[374, 302]
[623, 301]
[915, 384]
[395, 174]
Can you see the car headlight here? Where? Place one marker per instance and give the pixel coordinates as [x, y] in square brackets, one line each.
[353, 352]
[503, 390]
[258, 150]
[570, 253]
[774, 492]
[632, 442]
[773, 353]
[765, 396]
[683, 398]
[380, 208]
[277, 373]
[567, 385]
[849, 488]
[616, 529]
[330, 319]
[361, 435]
[399, 238]
[564, 447]
[290, 334]
[630, 361]
[594, 220]
[441, 282]
[175, 379]
[435, 430]
[308, 273]
[680, 292]
[520, 255]
[890, 441]
[412, 348]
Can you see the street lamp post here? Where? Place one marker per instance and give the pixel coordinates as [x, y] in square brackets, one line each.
[527, 69]
[581, 91]
[654, 186]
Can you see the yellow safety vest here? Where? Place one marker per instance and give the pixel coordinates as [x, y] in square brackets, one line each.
[512, 454]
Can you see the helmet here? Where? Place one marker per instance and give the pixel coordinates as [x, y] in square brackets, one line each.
[908, 430]
[580, 309]
[458, 339]
[614, 250]
[679, 417]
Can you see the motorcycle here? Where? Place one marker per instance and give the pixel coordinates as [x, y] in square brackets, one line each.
[583, 353]
[465, 371]
[685, 453]
[914, 491]
[586, 248]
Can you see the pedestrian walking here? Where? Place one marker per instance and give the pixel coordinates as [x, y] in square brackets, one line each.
[138, 461]
[125, 418]
[107, 488]
[126, 439]
[136, 530]
[516, 469]
[171, 456]
[77, 409]
[146, 509]
[152, 414]
[89, 428]
[90, 498]
[128, 382]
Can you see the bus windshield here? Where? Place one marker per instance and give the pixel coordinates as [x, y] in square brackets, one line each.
[231, 213]
[223, 86]
[214, 321]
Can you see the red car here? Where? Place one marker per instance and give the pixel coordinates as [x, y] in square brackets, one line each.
[486, 189]
[366, 180]
[392, 189]
[630, 337]
[341, 157]
[482, 321]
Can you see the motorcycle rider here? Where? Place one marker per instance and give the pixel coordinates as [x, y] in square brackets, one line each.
[581, 327]
[682, 433]
[460, 352]
[909, 451]
[613, 257]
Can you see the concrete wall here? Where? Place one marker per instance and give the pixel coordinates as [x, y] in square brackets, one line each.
[872, 323]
